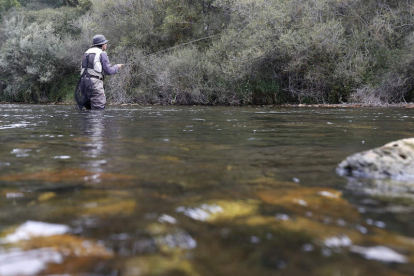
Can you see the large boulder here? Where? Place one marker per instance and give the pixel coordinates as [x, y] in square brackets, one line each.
[394, 160]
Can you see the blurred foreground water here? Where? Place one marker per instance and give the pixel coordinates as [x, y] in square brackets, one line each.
[199, 191]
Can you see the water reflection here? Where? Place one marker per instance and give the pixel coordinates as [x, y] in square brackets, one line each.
[382, 188]
[93, 127]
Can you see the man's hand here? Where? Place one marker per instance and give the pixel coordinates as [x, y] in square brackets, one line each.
[120, 65]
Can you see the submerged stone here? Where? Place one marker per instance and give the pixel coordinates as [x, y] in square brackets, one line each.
[399, 193]
[69, 246]
[331, 221]
[46, 196]
[220, 210]
[159, 265]
[34, 261]
[39, 247]
[110, 208]
[54, 255]
[380, 253]
[394, 160]
[320, 202]
[31, 229]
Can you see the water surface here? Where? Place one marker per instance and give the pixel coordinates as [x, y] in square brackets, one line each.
[199, 191]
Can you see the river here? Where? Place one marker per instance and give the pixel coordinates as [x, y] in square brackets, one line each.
[171, 190]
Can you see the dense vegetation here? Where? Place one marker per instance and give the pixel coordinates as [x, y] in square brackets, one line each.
[213, 51]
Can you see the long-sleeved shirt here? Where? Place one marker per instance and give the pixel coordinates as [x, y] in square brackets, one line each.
[106, 66]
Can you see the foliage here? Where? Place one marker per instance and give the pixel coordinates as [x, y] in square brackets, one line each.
[31, 59]
[54, 3]
[62, 91]
[8, 4]
[215, 51]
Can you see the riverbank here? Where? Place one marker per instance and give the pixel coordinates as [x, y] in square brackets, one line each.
[401, 105]
[344, 105]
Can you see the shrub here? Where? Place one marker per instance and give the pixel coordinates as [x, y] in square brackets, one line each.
[8, 4]
[169, 78]
[32, 58]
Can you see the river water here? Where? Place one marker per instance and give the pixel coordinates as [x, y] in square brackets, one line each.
[199, 191]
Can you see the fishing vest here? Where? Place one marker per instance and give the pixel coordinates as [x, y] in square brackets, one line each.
[92, 60]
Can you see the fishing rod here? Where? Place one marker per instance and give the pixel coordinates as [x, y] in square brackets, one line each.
[176, 46]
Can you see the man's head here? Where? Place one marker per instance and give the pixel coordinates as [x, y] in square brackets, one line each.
[99, 40]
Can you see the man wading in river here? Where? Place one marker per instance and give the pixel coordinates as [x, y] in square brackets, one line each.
[90, 91]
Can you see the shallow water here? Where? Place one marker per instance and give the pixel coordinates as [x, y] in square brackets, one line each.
[199, 191]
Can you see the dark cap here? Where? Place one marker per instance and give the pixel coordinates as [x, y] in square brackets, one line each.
[99, 40]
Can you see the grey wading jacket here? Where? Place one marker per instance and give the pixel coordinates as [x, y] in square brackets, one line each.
[98, 63]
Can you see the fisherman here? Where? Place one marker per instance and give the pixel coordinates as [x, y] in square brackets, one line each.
[97, 63]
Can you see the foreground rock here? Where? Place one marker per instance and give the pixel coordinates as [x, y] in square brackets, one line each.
[391, 161]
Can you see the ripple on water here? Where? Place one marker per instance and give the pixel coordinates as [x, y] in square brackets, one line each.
[15, 126]
[21, 152]
[62, 157]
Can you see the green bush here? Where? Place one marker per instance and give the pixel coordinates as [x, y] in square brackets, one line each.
[62, 90]
[8, 4]
[32, 58]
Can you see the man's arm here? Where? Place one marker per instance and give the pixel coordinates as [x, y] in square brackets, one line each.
[107, 67]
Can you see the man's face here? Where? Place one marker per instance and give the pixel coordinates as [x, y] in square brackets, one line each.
[104, 47]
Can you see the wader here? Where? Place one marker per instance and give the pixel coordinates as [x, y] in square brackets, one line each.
[97, 97]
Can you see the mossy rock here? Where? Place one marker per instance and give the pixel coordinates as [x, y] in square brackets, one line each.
[394, 160]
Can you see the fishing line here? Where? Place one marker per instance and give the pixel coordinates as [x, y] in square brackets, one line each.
[176, 46]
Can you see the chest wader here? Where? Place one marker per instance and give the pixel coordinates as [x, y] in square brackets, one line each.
[83, 92]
